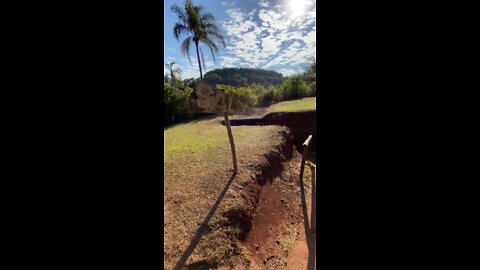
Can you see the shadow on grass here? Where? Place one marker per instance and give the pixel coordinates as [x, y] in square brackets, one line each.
[203, 228]
[309, 233]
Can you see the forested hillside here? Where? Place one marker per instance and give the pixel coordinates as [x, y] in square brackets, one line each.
[244, 76]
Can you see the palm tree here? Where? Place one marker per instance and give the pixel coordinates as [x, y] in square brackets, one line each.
[199, 27]
[175, 73]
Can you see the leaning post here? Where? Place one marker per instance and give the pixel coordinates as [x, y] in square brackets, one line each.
[232, 143]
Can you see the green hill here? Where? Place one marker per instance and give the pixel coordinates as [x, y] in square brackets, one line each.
[244, 76]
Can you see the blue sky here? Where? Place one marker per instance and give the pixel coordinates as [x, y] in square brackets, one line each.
[277, 35]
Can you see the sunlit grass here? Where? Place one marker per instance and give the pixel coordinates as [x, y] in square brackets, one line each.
[203, 139]
[304, 104]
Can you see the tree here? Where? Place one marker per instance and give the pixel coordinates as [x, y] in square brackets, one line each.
[189, 82]
[199, 28]
[312, 68]
[212, 77]
[294, 88]
[175, 73]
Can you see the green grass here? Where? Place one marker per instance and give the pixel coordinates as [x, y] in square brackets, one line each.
[202, 138]
[192, 137]
[304, 104]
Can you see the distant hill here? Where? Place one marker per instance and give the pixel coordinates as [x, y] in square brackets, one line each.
[243, 76]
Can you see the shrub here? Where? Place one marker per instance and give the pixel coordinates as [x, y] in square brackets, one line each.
[313, 89]
[294, 88]
[176, 103]
[267, 98]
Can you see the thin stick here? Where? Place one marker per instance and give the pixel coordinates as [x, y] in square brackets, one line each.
[232, 144]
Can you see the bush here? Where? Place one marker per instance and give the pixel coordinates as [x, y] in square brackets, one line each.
[294, 88]
[253, 95]
[176, 103]
[245, 94]
[267, 98]
[313, 89]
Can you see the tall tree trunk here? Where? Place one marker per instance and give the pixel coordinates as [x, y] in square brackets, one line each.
[198, 57]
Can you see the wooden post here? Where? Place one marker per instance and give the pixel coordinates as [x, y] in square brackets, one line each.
[314, 201]
[232, 145]
[306, 146]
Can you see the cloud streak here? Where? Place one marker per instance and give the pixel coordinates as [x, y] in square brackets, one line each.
[269, 38]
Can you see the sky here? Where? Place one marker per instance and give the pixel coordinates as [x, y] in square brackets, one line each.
[278, 35]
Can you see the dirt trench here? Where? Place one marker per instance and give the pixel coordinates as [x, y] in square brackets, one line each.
[302, 124]
[270, 216]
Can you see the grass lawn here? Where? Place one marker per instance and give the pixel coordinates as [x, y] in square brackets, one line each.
[304, 104]
[199, 144]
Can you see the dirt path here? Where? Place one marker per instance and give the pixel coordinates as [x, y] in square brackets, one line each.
[302, 255]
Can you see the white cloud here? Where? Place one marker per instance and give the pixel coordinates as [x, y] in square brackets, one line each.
[263, 3]
[228, 4]
[190, 72]
[289, 72]
[271, 41]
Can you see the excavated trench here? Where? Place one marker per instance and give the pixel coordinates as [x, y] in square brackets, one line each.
[271, 206]
[302, 124]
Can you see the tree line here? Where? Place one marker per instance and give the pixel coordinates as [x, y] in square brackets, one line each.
[244, 76]
[177, 92]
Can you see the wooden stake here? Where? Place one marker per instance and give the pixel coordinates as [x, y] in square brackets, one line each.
[232, 145]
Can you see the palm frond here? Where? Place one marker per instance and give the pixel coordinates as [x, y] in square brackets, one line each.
[177, 73]
[198, 9]
[170, 65]
[203, 58]
[213, 55]
[182, 16]
[218, 36]
[207, 18]
[179, 29]
[186, 48]
[212, 46]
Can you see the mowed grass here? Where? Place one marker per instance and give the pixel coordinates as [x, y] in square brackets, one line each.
[202, 141]
[304, 104]
[195, 136]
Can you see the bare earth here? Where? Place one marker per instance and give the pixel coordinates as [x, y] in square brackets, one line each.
[251, 220]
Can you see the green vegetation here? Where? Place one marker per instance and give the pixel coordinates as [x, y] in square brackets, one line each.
[254, 95]
[175, 101]
[175, 73]
[243, 76]
[203, 137]
[176, 92]
[199, 27]
[304, 104]
[191, 137]
[197, 136]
